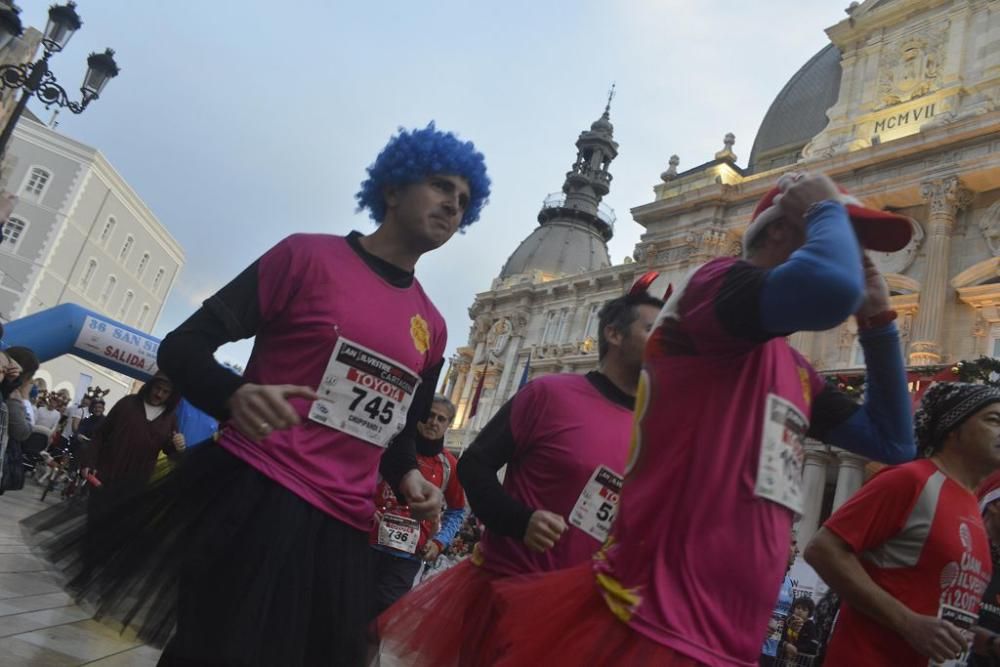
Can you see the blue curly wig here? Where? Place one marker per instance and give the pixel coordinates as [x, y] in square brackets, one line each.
[411, 156]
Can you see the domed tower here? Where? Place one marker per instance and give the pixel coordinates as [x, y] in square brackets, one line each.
[574, 227]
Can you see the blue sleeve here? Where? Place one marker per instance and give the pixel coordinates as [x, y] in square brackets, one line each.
[822, 283]
[881, 428]
[450, 523]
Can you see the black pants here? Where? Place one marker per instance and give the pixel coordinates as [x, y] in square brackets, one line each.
[393, 579]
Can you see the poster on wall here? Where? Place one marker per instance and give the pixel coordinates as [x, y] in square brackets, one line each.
[805, 581]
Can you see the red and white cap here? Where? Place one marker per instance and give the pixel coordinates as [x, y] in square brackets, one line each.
[876, 230]
[988, 491]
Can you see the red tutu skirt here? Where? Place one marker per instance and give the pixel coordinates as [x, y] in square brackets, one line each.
[560, 619]
[443, 622]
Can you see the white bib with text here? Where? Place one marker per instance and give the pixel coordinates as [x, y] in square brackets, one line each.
[597, 505]
[782, 455]
[364, 394]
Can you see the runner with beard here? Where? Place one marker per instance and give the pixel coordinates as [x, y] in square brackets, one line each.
[564, 440]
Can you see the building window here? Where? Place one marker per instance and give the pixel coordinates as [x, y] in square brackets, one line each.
[994, 349]
[88, 274]
[126, 304]
[143, 314]
[126, 249]
[109, 227]
[593, 320]
[563, 329]
[109, 289]
[158, 279]
[33, 188]
[13, 230]
[142, 264]
[858, 353]
[551, 324]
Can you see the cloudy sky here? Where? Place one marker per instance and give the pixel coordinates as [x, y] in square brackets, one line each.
[242, 122]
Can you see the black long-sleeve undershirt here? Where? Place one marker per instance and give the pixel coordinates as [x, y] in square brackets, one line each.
[494, 448]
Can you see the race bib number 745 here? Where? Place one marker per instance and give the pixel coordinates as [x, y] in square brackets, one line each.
[364, 394]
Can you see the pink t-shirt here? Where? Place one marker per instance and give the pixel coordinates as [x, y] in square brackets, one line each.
[563, 429]
[313, 290]
[696, 557]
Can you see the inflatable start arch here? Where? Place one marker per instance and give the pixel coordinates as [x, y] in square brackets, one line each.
[72, 329]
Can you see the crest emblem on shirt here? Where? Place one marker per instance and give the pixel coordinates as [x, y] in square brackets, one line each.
[420, 333]
[806, 386]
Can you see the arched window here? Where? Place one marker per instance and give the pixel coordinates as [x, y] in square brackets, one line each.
[109, 227]
[109, 289]
[158, 279]
[35, 184]
[13, 230]
[142, 264]
[143, 314]
[126, 304]
[126, 249]
[88, 274]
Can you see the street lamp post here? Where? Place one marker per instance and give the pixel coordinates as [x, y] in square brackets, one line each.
[36, 80]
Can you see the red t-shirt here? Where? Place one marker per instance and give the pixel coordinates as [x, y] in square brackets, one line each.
[438, 470]
[919, 535]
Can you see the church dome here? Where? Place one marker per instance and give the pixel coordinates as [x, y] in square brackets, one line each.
[798, 113]
[559, 249]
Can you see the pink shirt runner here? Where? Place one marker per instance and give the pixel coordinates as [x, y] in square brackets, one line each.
[564, 428]
[313, 289]
[695, 559]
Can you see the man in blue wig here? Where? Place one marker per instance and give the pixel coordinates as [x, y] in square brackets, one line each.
[262, 536]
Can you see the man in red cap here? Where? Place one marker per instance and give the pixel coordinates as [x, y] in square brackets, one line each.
[908, 554]
[692, 568]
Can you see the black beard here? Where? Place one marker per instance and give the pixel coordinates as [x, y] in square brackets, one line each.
[427, 447]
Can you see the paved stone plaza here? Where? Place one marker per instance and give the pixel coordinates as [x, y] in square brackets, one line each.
[39, 624]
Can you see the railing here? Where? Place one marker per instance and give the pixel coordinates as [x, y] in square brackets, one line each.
[605, 213]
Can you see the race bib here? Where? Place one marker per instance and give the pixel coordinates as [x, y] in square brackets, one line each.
[963, 620]
[364, 394]
[596, 507]
[398, 532]
[779, 470]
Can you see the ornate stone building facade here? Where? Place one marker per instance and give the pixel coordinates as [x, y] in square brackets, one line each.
[902, 107]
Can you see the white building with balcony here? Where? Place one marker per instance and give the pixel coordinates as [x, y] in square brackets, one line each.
[80, 234]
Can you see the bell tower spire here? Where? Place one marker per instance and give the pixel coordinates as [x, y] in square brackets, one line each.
[589, 180]
[574, 226]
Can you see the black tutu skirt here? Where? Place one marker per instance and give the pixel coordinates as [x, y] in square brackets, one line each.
[218, 563]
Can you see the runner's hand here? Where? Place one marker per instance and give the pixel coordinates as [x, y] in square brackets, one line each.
[259, 409]
[178, 441]
[431, 551]
[800, 191]
[544, 530]
[934, 637]
[425, 499]
[876, 291]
